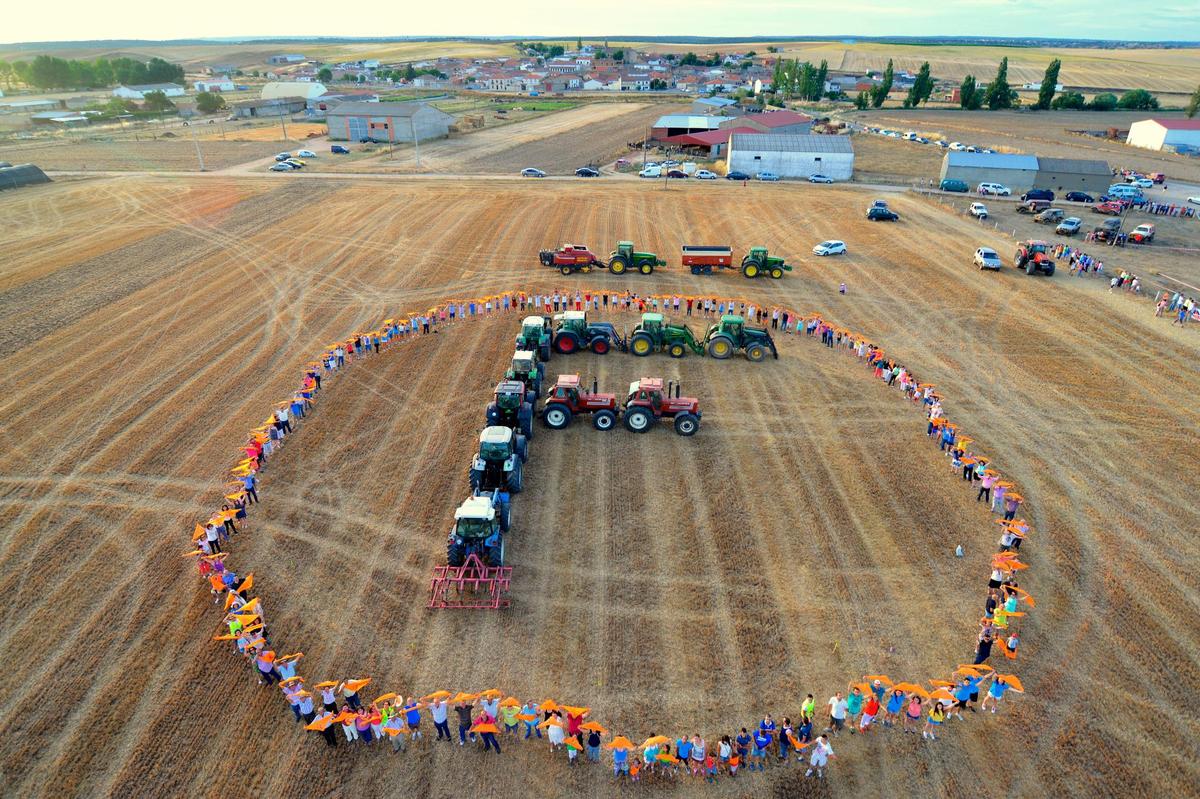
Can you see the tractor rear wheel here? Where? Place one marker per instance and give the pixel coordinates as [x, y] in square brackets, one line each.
[600, 346]
[777, 273]
[756, 353]
[505, 514]
[618, 265]
[646, 268]
[544, 352]
[455, 554]
[677, 350]
[721, 347]
[750, 270]
[604, 420]
[686, 424]
[557, 416]
[641, 344]
[516, 478]
[566, 342]
[525, 420]
[566, 270]
[495, 554]
[638, 420]
[1049, 269]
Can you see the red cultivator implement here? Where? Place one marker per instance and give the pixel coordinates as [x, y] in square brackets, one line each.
[475, 586]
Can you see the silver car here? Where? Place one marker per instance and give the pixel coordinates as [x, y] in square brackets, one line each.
[1069, 226]
[987, 258]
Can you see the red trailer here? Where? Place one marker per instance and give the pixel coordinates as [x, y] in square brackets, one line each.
[702, 258]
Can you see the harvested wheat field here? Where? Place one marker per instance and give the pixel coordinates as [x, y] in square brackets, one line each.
[559, 143]
[802, 538]
[127, 155]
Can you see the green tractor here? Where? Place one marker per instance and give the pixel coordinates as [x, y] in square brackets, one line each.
[758, 263]
[624, 258]
[732, 334]
[536, 335]
[654, 335]
[527, 369]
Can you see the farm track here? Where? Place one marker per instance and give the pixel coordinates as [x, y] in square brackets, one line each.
[804, 535]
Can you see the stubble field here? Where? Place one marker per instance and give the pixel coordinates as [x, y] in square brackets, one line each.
[804, 536]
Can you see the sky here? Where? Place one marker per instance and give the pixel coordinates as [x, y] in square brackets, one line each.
[70, 20]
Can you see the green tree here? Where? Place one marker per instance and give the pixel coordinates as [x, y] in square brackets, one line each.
[998, 93]
[809, 88]
[21, 70]
[578, 43]
[822, 76]
[619, 55]
[157, 101]
[209, 102]
[880, 92]
[772, 48]
[1068, 100]
[1049, 81]
[6, 73]
[118, 105]
[969, 95]
[657, 85]
[689, 59]
[1137, 100]
[410, 72]
[1103, 102]
[862, 101]
[1193, 104]
[325, 75]
[160, 71]
[922, 87]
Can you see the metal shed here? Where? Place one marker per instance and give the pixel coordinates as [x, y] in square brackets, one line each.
[1017, 172]
[791, 155]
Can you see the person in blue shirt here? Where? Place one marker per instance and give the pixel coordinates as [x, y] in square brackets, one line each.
[894, 704]
[683, 749]
[962, 696]
[743, 740]
[620, 756]
[785, 736]
[804, 734]
[995, 693]
[762, 740]
[412, 716]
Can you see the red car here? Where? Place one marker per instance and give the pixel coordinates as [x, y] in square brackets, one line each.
[1111, 207]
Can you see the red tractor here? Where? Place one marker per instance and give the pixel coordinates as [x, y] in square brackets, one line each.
[648, 403]
[567, 398]
[1034, 256]
[571, 258]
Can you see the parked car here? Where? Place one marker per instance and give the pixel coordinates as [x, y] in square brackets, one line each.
[832, 247]
[1143, 183]
[987, 258]
[1194, 200]
[1038, 194]
[950, 184]
[735, 175]
[878, 204]
[1069, 226]
[281, 167]
[295, 163]
[283, 156]
[1157, 177]
[676, 174]
[587, 172]
[979, 211]
[1142, 234]
[1079, 197]
[954, 145]
[531, 172]
[338, 149]
[1107, 230]
[1124, 191]
[651, 172]
[770, 177]
[1033, 206]
[942, 143]
[305, 154]
[994, 188]
[820, 179]
[1050, 216]
[670, 162]
[1111, 207]
[704, 174]
[882, 215]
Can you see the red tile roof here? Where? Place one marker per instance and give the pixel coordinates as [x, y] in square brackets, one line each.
[1179, 124]
[709, 137]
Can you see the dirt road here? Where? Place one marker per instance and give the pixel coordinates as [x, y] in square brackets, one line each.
[805, 535]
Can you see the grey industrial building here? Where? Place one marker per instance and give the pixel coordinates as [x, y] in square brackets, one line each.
[395, 122]
[791, 155]
[1020, 173]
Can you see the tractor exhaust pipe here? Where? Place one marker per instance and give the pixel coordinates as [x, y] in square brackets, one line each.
[595, 385]
[678, 388]
[670, 383]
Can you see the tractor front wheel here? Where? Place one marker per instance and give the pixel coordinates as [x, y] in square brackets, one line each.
[677, 350]
[521, 447]
[777, 273]
[604, 420]
[618, 265]
[600, 346]
[686, 424]
[720, 348]
[525, 420]
[638, 420]
[641, 344]
[557, 416]
[646, 268]
[475, 476]
[750, 270]
[756, 353]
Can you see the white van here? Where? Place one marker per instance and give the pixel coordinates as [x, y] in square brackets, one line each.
[994, 188]
[1124, 191]
[651, 172]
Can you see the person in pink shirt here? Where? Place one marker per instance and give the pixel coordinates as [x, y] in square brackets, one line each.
[985, 486]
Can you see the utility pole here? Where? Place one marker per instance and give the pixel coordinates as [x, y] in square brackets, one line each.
[282, 123]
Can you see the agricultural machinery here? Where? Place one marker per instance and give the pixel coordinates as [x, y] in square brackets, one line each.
[567, 400]
[536, 336]
[1034, 256]
[732, 334]
[500, 463]
[647, 404]
[510, 409]
[573, 332]
[624, 258]
[571, 258]
[702, 259]
[480, 523]
[655, 335]
[527, 369]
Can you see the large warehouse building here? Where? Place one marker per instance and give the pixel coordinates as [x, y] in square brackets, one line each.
[1181, 135]
[791, 155]
[1020, 173]
[394, 122]
[1072, 174]
[680, 124]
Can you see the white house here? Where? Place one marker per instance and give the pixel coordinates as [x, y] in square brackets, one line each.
[1036, 86]
[305, 89]
[1165, 134]
[140, 92]
[791, 155]
[215, 85]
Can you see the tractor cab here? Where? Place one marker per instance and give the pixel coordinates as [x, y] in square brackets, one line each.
[479, 526]
[527, 369]
[575, 321]
[535, 336]
[652, 323]
[648, 401]
[732, 334]
[758, 262]
[499, 464]
[646, 391]
[511, 408]
[732, 325]
[624, 249]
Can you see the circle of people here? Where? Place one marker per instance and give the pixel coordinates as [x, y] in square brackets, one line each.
[484, 718]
